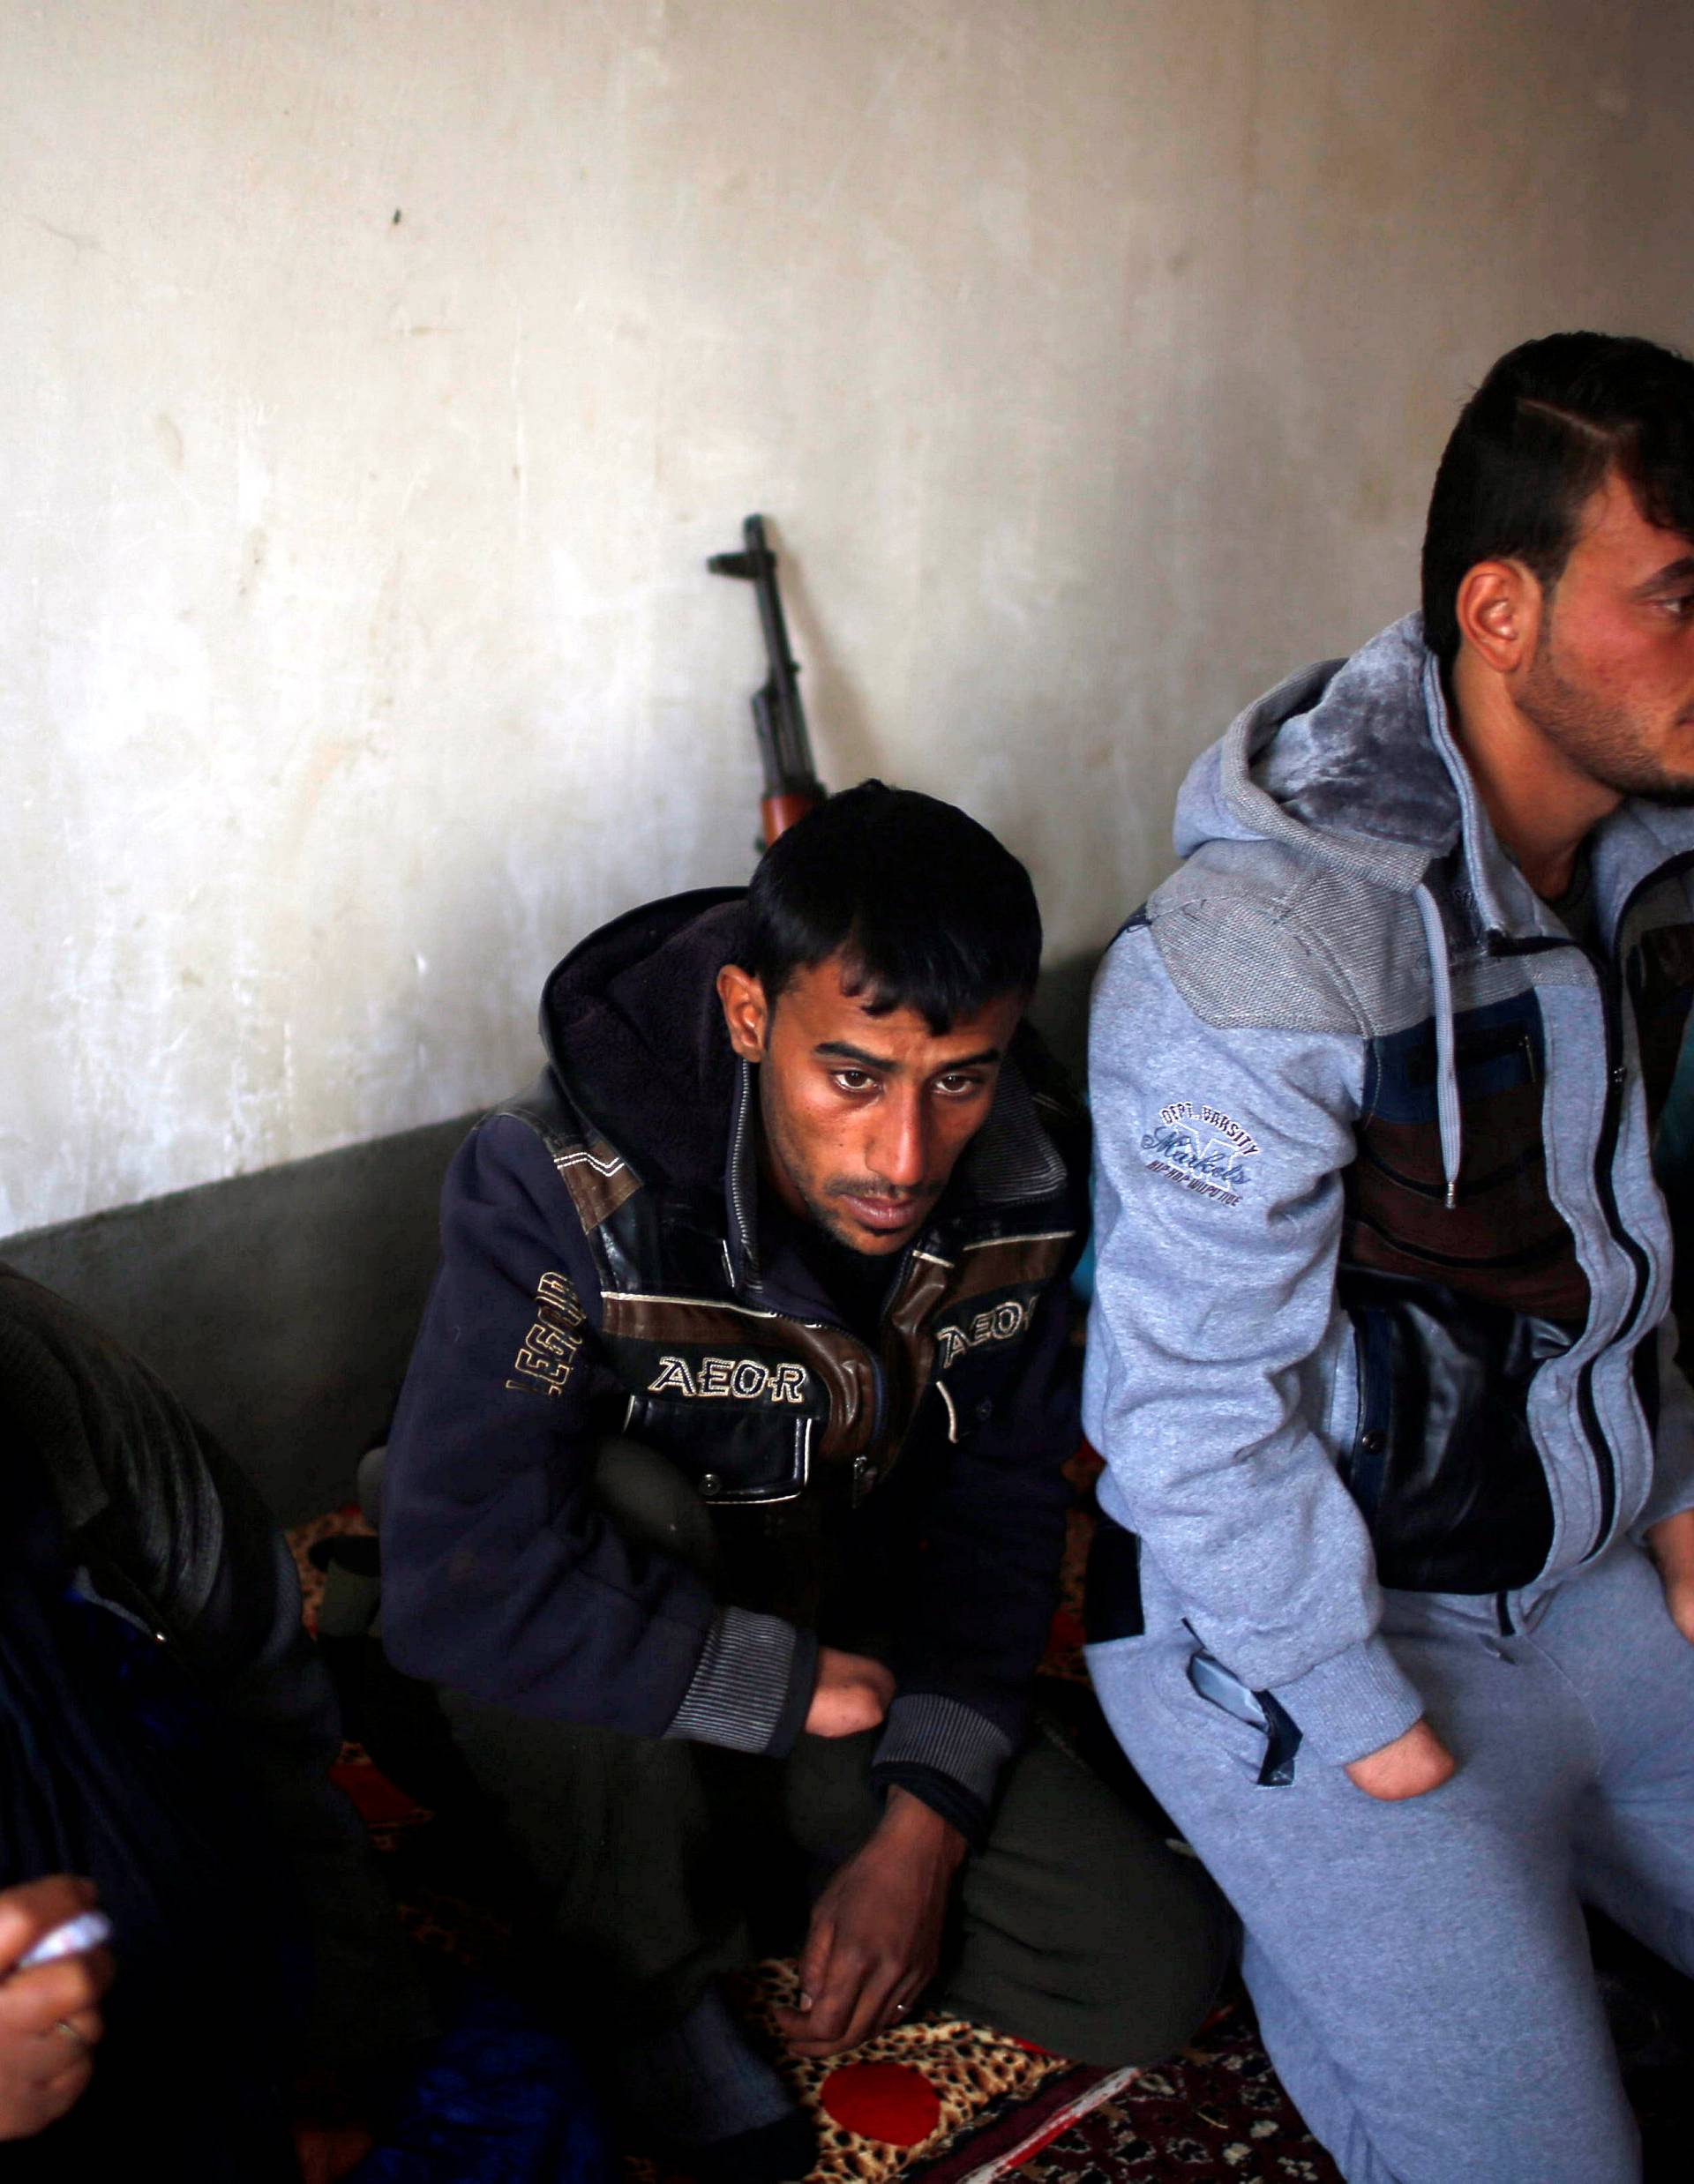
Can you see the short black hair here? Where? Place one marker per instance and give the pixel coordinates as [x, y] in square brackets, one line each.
[1536, 441]
[932, 913]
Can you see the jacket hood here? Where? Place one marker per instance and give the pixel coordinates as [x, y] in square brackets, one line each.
[1338, 762]
[1345, 763]
[1354, 764]
[634, 1032]
[632, 1027]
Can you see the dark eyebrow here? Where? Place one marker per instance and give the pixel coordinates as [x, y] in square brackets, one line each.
[840, 1049]
[1672, 572]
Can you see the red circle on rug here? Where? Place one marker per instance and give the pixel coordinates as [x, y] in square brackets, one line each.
[891, 2101]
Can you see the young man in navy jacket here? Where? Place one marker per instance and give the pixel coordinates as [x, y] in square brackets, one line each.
[735, 1428]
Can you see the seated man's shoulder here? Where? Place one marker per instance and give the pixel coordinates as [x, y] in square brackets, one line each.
[538, 1144]
[1252, 936]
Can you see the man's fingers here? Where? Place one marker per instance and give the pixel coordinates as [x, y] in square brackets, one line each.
[63, 2085]
[874, 2009]
[873, 2004]
[814, 2038]
[56, 2064]
[81, 1984]
[813, 1969]
[851, 1694]
[31, 2108]
[831, 2010]
[1412, 1765]
[860, 2002]
[883, 1993]
[1679, 1598]
[811, 1976]
[77, 2035]
[30, 1912]
[834, 2000]
[34, 2001]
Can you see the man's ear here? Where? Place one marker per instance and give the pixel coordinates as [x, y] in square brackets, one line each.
[1499, 608]
[746, 1013]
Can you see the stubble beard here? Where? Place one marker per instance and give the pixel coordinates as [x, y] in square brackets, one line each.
[1604, 738]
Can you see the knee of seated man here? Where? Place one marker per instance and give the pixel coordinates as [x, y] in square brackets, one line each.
[1177, 1949]
[1161, 1958]
[1134, 1998]
[1123, 1943]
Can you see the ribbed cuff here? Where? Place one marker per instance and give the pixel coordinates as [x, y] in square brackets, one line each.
[1356, 1702]
[942, 1793]
[925, 1730]
[752, 1685]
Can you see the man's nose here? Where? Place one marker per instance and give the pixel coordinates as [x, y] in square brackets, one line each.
[899, 1152]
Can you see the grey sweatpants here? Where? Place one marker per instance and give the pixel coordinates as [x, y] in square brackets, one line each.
[1421, 1970]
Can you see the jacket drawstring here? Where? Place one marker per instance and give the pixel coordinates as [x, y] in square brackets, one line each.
[1453, 1134]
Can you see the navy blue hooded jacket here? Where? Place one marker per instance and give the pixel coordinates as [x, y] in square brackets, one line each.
[604, 1272]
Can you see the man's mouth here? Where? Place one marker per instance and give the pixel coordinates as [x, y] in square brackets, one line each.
[885, 1215]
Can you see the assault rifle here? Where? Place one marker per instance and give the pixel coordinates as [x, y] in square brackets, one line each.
[792, 787]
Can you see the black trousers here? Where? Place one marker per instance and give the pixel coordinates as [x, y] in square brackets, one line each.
[654, 1866]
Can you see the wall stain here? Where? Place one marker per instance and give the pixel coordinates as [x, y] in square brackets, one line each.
[68, 235]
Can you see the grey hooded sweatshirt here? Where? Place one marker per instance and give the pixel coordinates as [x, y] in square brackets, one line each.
[1383, 1269]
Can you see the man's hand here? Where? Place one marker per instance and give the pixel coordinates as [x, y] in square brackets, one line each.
[1415, 1762]
[1671, 1545]
[851, 1694]
[328, 2151]
[875, 1936]
[50, 2015]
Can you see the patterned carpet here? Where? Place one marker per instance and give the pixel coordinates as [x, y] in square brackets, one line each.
[1216, 2113]
[943, 2102]
[935, 2099]
[940, 2101]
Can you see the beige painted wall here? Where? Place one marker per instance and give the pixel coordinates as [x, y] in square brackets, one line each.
[379, 375]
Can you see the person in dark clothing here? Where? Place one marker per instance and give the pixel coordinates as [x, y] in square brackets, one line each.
[165, 1734]
[724, 1489]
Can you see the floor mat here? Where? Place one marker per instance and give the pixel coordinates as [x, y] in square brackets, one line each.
[936, 2101]
[945, 2102]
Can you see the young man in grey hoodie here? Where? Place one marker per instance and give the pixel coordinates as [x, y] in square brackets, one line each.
[1393, 1602]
